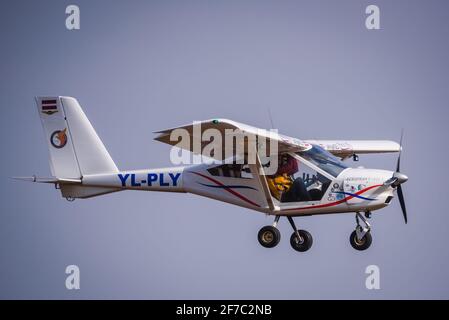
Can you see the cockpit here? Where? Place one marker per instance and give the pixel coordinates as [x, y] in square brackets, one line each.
[300, 176]
[305, 175]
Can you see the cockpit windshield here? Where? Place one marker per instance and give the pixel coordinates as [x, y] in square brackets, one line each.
[324, 160]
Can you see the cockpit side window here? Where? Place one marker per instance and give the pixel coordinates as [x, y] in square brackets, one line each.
[324, 160]
[241, 171]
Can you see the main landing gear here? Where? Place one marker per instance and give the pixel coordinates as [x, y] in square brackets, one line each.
[269, 236]
[360, 238]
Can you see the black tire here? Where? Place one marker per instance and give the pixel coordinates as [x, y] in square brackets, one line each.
[305, 244]
[269, 237]
[362, 244]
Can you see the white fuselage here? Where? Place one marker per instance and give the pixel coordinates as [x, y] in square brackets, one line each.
[352, 190]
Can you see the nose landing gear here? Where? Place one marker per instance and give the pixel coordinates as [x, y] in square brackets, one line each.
[360, 238]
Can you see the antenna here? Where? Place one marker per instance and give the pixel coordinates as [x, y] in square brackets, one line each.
[271, 118]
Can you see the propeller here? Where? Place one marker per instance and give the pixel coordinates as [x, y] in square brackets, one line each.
[402, 202]
[398, 163]
[399, 179]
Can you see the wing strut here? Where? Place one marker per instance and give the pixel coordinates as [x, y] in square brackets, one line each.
[258, 173]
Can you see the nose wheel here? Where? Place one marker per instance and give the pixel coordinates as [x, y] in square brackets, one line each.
[360, 244]
[360, 238]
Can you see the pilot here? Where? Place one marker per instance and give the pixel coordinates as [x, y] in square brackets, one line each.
[283, 185]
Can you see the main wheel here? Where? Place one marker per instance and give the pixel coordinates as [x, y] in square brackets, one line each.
[304, 244]
[361, 244]
[269, 236]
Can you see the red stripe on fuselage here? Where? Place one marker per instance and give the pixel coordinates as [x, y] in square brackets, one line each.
[238, 195]
[331, 204]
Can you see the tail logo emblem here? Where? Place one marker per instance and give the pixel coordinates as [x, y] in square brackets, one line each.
[49, 106]
[58, 139]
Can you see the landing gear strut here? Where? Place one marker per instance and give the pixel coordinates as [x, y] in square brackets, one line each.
[360, 238]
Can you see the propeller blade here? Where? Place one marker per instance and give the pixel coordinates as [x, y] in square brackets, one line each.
[398, 164]
[402, 202]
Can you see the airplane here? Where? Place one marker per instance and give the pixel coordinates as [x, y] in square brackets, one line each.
[319, 182]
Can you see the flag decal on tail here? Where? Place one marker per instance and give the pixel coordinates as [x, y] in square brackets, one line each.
[49, 106]
[58, 139]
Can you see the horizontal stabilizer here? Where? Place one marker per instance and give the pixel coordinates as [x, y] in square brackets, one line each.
[48, 180]
[71, 188]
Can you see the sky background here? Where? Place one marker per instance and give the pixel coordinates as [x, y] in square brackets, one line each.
[141, 66]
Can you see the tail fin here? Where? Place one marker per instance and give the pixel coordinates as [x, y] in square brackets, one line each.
[75, 148]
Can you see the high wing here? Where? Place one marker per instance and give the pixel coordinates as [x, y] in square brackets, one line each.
[347, 148]
[229, 129]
